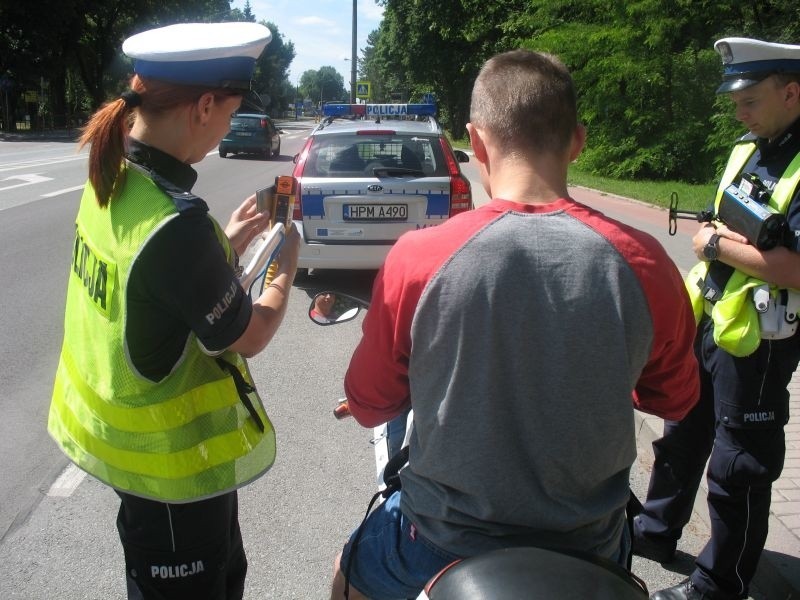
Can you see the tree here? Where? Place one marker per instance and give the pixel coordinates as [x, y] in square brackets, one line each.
[271, 73]
[323, 85]
[64, 40]
[439, 46]
[645, 75]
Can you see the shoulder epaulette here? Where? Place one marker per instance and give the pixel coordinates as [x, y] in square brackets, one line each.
[747, 138]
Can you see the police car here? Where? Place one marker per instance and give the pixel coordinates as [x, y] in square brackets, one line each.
[369, 173]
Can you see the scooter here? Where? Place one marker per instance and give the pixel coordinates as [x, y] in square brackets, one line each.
[505, 574]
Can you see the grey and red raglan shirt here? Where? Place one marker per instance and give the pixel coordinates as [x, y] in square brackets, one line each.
[522, 336]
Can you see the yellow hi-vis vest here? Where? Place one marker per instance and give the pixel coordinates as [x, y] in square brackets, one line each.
[188, 437]
[736, 321]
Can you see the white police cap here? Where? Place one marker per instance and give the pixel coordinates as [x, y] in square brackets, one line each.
[207, 54]
[747, 61]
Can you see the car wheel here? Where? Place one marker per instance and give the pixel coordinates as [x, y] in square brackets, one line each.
[222, 154]
[277, 151]
[302, 274]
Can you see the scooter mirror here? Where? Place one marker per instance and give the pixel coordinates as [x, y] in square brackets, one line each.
[329, 308]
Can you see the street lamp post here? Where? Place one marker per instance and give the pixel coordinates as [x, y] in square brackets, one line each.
[353, 59]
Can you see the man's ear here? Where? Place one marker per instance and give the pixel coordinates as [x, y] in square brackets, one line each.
[578, 141]
[477, 143]
[792, 93]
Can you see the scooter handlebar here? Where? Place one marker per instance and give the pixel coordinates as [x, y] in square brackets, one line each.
[342, 409]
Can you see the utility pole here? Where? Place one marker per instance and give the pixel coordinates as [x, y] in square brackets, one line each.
[353, 59]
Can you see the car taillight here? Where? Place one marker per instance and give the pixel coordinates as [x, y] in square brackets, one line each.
[460, 195]
[263, 123]
[460, 189]
[297, 173]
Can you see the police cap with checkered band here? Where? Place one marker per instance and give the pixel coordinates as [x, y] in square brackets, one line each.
[747, 61]
[217, 55]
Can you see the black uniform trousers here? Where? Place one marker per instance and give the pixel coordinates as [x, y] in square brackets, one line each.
[737, 426]
[182, 551]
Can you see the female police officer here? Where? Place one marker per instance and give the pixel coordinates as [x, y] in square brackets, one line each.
[152, 395]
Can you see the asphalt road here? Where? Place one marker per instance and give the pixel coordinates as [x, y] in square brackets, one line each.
[57, 527]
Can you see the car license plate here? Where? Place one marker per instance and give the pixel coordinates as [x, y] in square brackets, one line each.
[244, 133]
[375, 212]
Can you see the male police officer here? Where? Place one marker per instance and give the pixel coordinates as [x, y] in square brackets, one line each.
[746, 345]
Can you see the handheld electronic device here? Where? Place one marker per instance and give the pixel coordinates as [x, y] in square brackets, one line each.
[265, 198]
[278, 199]
[745, 209]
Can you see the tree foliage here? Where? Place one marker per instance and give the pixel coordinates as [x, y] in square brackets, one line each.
[323, 85]
[73, 47]
[645, 70]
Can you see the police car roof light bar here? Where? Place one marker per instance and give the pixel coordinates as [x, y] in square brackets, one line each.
[378, 110]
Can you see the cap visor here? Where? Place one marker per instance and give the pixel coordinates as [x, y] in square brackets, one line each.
[735, 85]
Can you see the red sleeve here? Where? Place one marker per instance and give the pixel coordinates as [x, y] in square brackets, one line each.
[669, 385]
[376, 383]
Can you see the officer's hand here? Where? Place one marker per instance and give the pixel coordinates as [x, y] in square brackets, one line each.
[724, 231]
[287, 259]
[245, 224]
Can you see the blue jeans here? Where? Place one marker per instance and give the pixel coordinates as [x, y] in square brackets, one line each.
[396, 433]
[393, 561]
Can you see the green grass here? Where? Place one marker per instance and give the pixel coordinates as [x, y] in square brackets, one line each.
[690, 196]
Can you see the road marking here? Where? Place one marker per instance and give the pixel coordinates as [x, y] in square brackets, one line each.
[67, 482]
[36, 164]
[27, 180]
[64, 191]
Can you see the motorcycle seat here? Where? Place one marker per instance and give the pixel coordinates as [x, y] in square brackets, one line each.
[534, 573]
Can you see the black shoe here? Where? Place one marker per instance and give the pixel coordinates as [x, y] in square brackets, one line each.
[683, 591]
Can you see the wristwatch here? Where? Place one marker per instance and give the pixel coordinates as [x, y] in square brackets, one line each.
[711, 249]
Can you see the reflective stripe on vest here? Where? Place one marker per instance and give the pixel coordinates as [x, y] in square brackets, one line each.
[736, 324]
[184, 438]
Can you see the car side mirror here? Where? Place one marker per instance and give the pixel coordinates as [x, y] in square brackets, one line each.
[461, 156]
[330, 308]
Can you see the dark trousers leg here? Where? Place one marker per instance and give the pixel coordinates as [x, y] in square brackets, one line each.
[743, 465]
[752, 404]
[182, 551]
[680, 459]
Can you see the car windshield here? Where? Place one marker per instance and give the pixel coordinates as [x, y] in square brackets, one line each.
[247, 122]
[358, 155]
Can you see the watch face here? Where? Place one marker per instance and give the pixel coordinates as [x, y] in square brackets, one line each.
[711, 249]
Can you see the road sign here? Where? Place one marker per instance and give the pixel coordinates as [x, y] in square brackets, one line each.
[362, 89]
